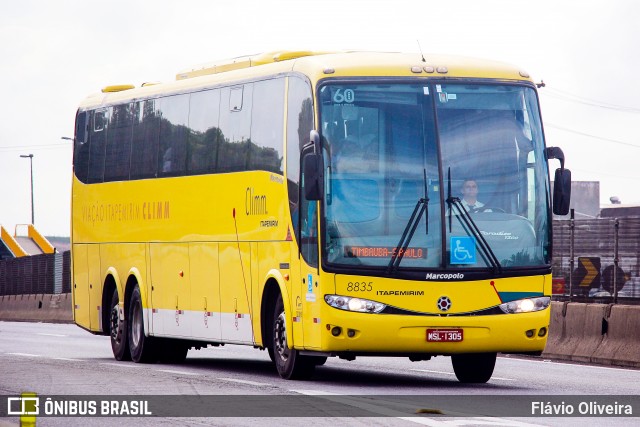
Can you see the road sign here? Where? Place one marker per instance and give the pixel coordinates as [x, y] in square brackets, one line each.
[607, 278]
[587, 275]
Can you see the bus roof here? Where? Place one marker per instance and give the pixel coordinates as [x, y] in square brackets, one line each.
[316, 66]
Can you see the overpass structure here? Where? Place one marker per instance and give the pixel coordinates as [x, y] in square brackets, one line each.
[21, 245]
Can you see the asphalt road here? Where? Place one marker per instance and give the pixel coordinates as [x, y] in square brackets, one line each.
[60, 360]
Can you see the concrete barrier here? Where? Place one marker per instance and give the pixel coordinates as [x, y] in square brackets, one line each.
[575, 331]
[37, 308]
[592, 333]
[574, 327]
[621, 344]
[557, 330]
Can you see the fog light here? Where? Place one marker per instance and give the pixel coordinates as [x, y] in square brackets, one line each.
[337, 330]
[542, 332]
[530, 333]
[351, 333]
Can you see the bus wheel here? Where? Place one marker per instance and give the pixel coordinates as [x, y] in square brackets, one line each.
[474, 368]
[118, 331]
[289, 363]
[143, 349]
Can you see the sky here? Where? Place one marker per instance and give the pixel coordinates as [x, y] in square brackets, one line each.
[54, 54]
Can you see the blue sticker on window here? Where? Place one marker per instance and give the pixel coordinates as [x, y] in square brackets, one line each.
[463, 250]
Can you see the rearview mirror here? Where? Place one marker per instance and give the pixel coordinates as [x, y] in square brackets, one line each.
[561, 191]
[312, 176]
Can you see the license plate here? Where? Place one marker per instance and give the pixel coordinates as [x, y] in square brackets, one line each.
[444, 335]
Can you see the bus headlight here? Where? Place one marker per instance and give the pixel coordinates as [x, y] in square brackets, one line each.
[354, 304]
[526, 305]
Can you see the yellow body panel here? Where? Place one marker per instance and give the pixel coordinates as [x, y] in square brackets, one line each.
[407, 334]
[170, 284]
[80, 286]
[205, 288]
[234, 264]
[95, 286]
[421, 297]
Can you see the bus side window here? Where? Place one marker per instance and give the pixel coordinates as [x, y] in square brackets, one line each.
[235, 128]
[81, 149]
[174, 119]
[299, 124]
[98, 137]
[118, 147]
[144, 151]
[309, 225]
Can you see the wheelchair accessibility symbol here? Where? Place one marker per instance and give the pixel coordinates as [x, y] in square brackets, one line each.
[463, 250]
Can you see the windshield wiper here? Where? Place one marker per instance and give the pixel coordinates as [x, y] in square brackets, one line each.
[471, 226]
[407, 234]
[421, 207]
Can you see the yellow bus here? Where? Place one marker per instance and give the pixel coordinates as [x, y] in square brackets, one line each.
[315, 205]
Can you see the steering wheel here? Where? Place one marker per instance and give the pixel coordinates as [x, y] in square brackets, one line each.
[487, 209]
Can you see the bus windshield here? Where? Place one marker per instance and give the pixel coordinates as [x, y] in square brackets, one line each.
[467, 157]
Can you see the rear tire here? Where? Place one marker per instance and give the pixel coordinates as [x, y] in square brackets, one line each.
[143, 348]
[118, 331]
[289, 363]
[474, 368]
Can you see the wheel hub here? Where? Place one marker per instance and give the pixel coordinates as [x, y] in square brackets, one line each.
[280, 337]
[115, 323]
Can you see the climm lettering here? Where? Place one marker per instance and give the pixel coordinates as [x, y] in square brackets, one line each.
[155, 210]
[255, 204]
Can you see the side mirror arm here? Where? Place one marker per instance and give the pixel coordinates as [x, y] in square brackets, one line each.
[555, 153]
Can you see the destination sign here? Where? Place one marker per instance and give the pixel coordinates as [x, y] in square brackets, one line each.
[383, 252]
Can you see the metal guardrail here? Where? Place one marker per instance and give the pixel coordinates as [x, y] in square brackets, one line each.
[598, 258]
[37, 274]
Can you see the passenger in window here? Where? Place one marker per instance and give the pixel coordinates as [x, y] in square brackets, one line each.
[470, 195]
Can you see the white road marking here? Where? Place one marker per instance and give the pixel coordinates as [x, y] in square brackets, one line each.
[433, 372]
[25, 354]
[68, 359]
[314, 392]
[234, 380]
[51, 335]
[121, 365]
[169, 371]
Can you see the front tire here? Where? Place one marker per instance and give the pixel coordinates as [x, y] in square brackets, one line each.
[474, 368]
[289, 363]
[143, 349]
[118, 330]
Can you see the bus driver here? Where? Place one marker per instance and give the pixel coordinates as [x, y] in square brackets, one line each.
[470, 195]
